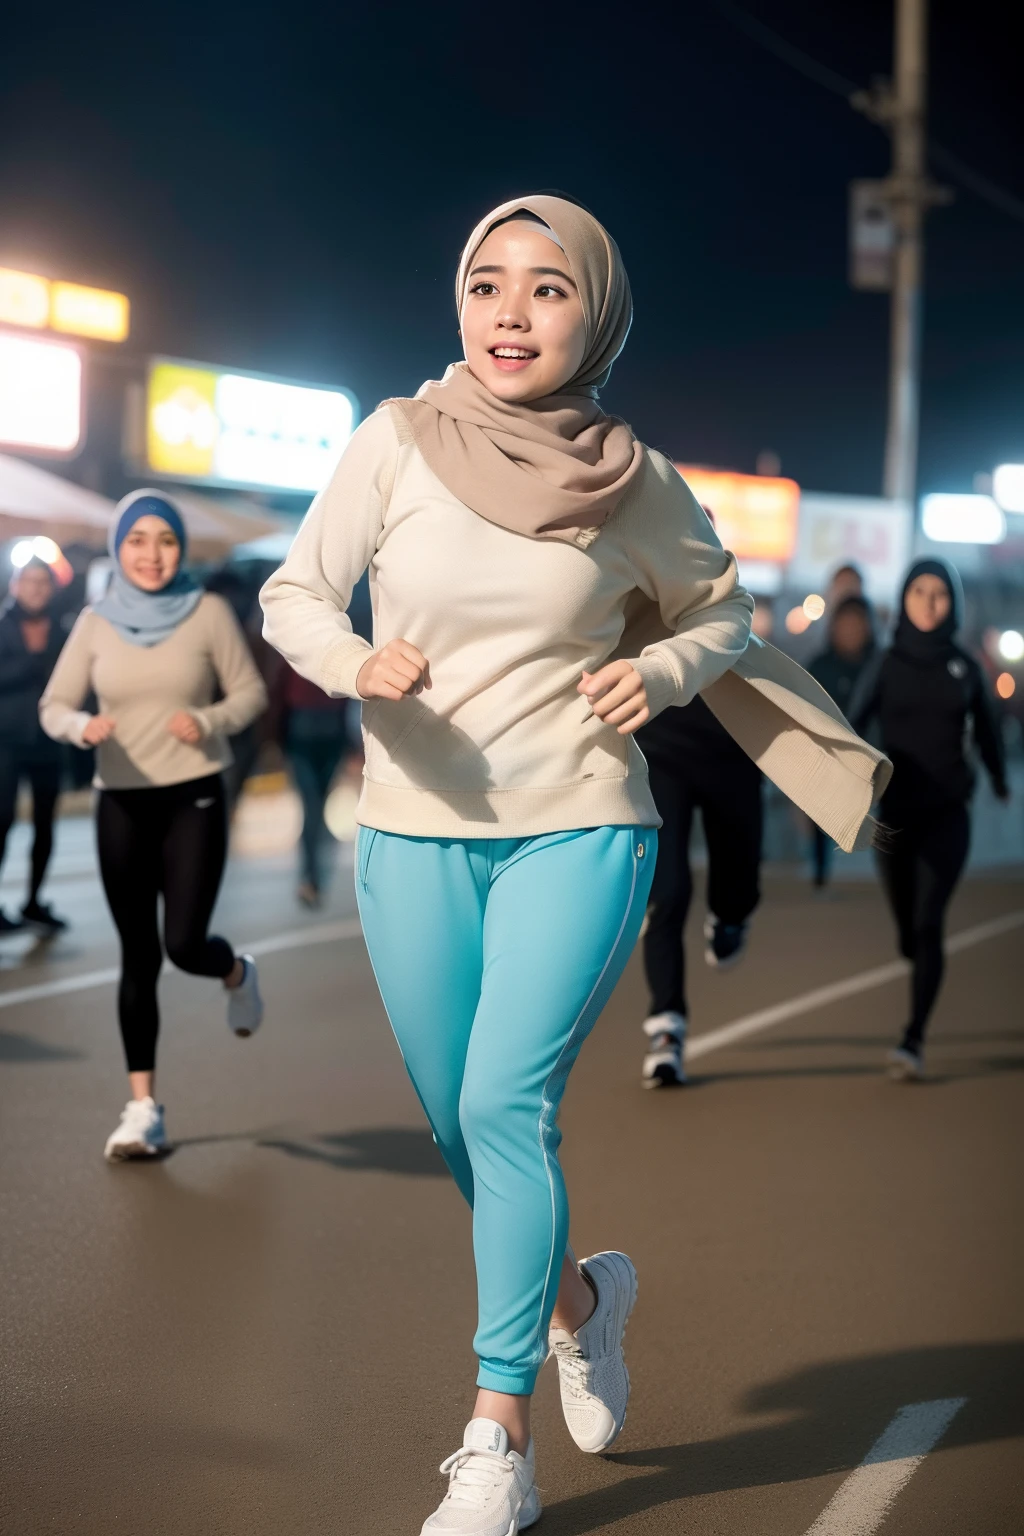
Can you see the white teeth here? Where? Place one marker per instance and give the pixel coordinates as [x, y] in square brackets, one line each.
[511, 352]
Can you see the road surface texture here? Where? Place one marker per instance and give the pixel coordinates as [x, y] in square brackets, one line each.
[268, 1333]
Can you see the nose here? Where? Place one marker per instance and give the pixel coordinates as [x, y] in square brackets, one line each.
[512, 315]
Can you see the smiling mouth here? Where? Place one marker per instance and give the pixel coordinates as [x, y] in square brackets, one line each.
[511, 359]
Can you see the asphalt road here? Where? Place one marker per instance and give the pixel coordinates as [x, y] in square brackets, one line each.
[268, 1333]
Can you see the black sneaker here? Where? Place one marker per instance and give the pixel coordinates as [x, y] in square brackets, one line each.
[9, 925]
[724, 942]
[36, 915]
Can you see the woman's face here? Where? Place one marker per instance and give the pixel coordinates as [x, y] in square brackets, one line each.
[927, 602]
[523, 330]
[150, 554]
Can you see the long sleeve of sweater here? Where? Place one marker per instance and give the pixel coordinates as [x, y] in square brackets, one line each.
[60, 709]
[244, 693]
[305, 601]
[678, 562]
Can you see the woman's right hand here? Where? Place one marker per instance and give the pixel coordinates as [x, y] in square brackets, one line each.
[393, 672]
[100, 728]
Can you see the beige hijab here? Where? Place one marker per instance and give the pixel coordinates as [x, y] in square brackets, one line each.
[556, 467]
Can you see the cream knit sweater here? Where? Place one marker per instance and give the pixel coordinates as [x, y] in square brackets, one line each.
[141, 687]
[501, 745]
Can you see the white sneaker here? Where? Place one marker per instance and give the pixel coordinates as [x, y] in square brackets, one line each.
[245, 1006]
[905, 1064]
[491, 1491]
[592, 1374]
[140, 1134]
[663, 1064]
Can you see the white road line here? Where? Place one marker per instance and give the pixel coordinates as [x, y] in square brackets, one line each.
[863, 981]
[296, 938]
[700, 1045]
[863, 1501]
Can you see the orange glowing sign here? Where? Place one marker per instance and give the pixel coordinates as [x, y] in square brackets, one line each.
[755, 515]
[28, 299]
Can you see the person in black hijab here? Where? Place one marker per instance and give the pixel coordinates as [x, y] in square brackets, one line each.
[924, 691]
[30, 642]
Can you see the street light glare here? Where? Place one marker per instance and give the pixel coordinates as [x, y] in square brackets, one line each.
[961, 518]
[40, 548]
[1008, 487]
[1011, 645]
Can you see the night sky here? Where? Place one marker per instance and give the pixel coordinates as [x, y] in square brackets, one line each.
[286, 189]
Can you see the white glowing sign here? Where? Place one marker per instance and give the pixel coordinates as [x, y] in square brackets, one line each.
[40, 394]
[207, 425]
[951, 518]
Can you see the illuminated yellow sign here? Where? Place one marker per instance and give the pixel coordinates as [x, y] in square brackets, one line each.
[28, 299]
[755, 515]
[181, 420]
[233, 428]
[88, 311]
[24, 298]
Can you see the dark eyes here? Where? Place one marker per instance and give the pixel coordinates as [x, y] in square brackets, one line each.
[484, 290]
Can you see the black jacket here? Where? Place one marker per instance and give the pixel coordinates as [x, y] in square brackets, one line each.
[927, 712]
[682, 730]
[838, 674]
[23, 676]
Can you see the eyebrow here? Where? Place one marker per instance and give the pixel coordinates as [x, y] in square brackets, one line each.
[537, 272]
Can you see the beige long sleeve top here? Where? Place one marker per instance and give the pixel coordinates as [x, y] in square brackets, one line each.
[502, 744]
[141, 687]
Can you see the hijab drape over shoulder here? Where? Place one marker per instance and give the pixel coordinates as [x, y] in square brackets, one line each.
[550, 468]
[558, 468]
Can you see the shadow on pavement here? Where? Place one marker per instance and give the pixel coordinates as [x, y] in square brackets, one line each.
[22, 1048]
[837, 1412]
[934, 1078]
[395, 1149]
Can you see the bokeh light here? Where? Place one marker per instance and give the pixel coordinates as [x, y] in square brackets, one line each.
[1011, 645]
[797, 621]
[1006, 686]
[814, 606]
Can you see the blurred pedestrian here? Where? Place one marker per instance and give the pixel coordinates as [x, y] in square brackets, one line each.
[31, 637]
[314, 733]
[155, 650]
[925, 691]
[543, 585]
[693, 763]
[846, 581]
[849, 648]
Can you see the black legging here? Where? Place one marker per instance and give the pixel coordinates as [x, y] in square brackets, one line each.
[920, 871]
[727, 787]
[42, 770]
[169, 841]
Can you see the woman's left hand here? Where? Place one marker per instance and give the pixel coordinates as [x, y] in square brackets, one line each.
[617, 696]
[185, 727]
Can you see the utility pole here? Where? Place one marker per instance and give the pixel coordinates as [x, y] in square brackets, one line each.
[900, 107]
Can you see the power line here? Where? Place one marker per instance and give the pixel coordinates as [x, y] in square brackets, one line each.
[766, 37]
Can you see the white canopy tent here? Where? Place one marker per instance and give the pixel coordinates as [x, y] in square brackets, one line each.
[34, 502]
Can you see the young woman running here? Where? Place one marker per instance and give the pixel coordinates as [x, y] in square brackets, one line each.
[154, 651]
[925, 691]
[542, 585]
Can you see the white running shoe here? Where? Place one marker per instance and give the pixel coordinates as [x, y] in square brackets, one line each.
[491, 1491]
[663, 1064]
[140, 1134]
[592, 1374]
[245, 1005]
[905, 1064]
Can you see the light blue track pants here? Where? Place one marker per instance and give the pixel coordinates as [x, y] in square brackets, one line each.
[494, 959]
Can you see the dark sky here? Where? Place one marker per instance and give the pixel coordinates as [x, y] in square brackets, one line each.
[286, 187]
